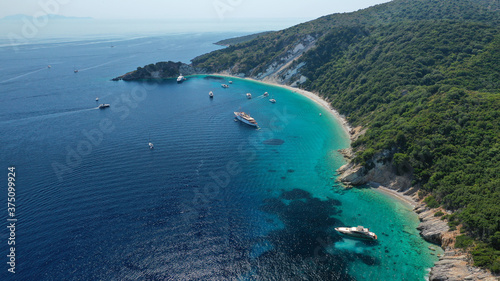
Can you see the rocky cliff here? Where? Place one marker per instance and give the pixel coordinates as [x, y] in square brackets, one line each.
[455, 264]
[379, 170]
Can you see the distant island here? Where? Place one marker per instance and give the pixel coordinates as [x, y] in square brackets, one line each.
[50, 16]
[418, 81]
[241, 39]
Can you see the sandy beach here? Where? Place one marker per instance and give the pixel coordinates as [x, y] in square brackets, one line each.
[407, 200]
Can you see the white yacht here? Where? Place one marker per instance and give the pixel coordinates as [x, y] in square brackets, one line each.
[245, 118]
[181, 79]
[272, 100]
[357, 232]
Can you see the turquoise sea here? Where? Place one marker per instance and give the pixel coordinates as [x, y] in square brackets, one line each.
[214, 200]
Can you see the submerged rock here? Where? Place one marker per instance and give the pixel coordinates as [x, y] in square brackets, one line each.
[274, 142]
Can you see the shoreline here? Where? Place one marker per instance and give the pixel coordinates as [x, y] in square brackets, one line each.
[394, 194]
[429, 224]
[405, 199]
[310, 95]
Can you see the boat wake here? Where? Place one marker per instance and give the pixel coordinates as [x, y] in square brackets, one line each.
[47, 115]
[22, 75]
[103, 64]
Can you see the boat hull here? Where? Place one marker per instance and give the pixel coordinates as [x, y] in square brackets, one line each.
[348, 233]
[243, 120]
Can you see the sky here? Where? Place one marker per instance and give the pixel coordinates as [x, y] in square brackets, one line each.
[188, 9]
[154, 17]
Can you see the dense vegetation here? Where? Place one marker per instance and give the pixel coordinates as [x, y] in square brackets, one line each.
[424, 77]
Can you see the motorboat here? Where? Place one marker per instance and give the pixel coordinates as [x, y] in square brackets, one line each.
[249, 96]
[224, 86]
[266, 94]
[181, 79]
[357, 232]
[211, 94]
[272, 100]
[103, 105]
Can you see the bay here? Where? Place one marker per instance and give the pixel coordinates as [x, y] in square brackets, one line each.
[214, 200]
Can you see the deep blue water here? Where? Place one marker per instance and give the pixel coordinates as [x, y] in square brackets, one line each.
[215, 199]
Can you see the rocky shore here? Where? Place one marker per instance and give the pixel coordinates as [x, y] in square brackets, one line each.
[455, 264]
[160, 70]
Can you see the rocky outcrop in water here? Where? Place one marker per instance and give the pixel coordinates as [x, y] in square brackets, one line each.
[431, 227]
[160, 70]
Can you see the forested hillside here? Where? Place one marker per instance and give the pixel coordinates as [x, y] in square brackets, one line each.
[424, 77]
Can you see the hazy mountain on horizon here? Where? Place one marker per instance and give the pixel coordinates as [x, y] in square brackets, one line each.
[50, 16]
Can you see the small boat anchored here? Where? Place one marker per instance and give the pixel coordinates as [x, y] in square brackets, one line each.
[103, 105]
[272, 101]
[245, 118]
[151, 146]
[96, 99]
[181, 79]
[211, 94]
[357, 232]
[225, 86]
[249, 96]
